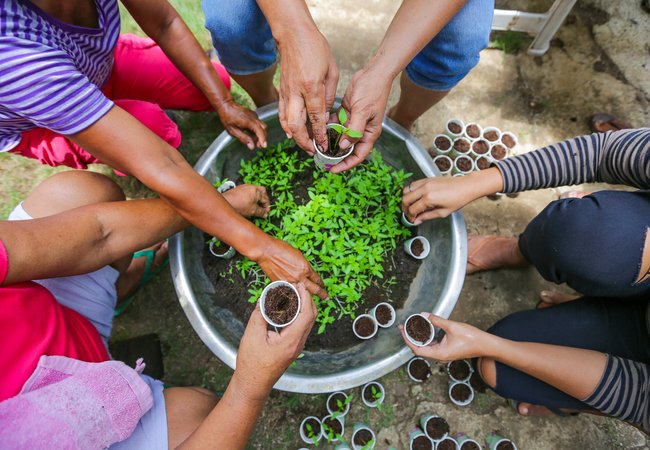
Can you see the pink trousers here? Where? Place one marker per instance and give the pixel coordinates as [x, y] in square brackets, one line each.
[143, 83]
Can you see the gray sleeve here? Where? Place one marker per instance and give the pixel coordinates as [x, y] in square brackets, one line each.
[620, 157]
[624, 391]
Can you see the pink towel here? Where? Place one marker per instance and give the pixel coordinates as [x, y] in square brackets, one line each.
[70, 404]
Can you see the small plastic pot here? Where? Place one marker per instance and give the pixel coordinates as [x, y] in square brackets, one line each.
[444, 158]
[354, 328]
[346, 407]
[470, 370]
[325, 162]
[303, 434]
[493, 440]
[462, 151]
[507, 136]
[482, 162]
[463, 171]
[416, 433]
[445, 440]
[473, 124]
[406, 222]
[438, 144]
[424, 419]
[377, 402]
[262, 302]
[390, 323]
[487, 134]
[451, 133]
[496, 154]
[463, 441]
[362, 426]
[343, 446]
[408, 369]
[228, 185]
[334, 439]
[416, 342]
[476, 148]
[425, 245]
[228, 254]
[460, 402]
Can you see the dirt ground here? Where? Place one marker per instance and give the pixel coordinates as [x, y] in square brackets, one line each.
[598, 62]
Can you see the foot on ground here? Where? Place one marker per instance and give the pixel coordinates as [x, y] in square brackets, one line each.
[129, 281]
[552, 298]
[528, 409]
[492, 252]
[600, 123]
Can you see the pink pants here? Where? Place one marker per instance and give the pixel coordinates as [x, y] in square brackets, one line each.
[143, 83]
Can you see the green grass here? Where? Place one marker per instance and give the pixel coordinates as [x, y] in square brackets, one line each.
[510, 42]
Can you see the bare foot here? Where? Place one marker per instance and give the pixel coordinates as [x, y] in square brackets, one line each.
[528, 409]
[492, 252]
[129, 280]
[552, 298]
[573, 194]
[600, 123]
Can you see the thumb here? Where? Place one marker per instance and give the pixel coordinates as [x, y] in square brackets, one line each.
[357, 123]
[437, 321]
[257, 326]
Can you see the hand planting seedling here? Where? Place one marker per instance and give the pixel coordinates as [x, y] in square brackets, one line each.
[338, 131]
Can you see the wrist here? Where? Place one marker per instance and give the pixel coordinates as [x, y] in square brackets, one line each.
[484, 182]
[382, 68]
[249, 390]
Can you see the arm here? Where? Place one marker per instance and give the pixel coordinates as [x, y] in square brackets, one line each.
[414, 25]
[160, 21]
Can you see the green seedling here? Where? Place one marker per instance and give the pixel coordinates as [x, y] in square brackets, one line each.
[376, 396]
[369, 445]
[340, 406]
[331, 435]
[311, 434]
[341, 129]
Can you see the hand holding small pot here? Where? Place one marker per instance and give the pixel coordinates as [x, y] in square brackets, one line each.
[249, 200]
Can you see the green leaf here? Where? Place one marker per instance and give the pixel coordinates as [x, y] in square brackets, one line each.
[343, 116]
[336, 127]
[354, 134]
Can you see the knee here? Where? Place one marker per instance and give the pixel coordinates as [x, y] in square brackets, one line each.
[487, 369]
[228, 27]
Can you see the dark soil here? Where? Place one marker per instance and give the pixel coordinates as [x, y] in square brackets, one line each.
[437, 427]
[455, 128]
[473, 131]
[446, 444]
[420, 370]
[461, 392]
[491, 136]
[469, 445]
[333, 150]
[364, 326]
[314, 425]
[367, 393]
[362, 437]
[281, 304]
[334, 425]
[422, 443]
[482, 163]
[459, 369]
[383, 314]
[443, 164]
[508, 140]
[461, 146]
[481, 147]
[505, 445]
[477, 383]
[417, 247]
[231, 290]
[333, 406]
[221, 248]
[499, 152]
[418, 328]
[443, 143]
[464, 164]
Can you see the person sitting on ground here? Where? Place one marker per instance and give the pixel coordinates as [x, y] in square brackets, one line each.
[74, 92]
[81, 232]
[597, 244]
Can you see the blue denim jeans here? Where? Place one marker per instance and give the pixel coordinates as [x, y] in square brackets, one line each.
[244, 43]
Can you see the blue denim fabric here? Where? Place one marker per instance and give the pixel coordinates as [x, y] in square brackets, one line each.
[243, 41]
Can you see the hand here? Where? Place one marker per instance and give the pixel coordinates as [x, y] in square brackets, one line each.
[243, 124]
[280, 261]
[365, 99]
[264, 355]
[307, 87]
[434, 198]
[461, 341]
[249, 200]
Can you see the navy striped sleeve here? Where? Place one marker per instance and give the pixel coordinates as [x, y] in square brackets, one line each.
[616, 157]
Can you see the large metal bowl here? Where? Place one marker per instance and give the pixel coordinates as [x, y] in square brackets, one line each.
[435, 288]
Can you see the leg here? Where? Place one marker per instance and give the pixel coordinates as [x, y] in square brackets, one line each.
[243, 41]
[187, 408]
[445, 61]
[492, 252]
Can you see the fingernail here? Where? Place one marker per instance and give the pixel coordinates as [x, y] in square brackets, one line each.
[264, 144]
[344, 144]
[524, 410]
[288, 135]
[544, 294]
[250, 146]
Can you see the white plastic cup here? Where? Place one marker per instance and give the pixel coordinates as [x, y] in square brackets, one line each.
[462, 438]
[334, 439]
[473, 138]
[493, 440]
[228, 254]
[358, 427]
[455, 152]
[492, 149]
[303, 435]
[377, 402]
[228, 185]
[460, 361]
[425, 244]
[408, 368]
[262, 302]
[482, 160]
[325, 162]
[406, 222]
[419, 343]
[343, 446]
[340, 413]
[423, 425]
[450, 133]
[513, 136]
[487, 130]
[456, 169]
[416, 433]
[448, 438]
[354, 330]
[444, 157]
[457, 402]
[436, 147]
[373, 312]
[475, 154]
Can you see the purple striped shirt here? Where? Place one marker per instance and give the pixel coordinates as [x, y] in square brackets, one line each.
[51, 72]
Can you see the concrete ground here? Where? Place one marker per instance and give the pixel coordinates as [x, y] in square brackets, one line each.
[598, 62]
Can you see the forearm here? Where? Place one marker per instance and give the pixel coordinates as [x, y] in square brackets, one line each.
[287, 18]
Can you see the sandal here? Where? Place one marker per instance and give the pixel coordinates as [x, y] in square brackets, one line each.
[148, 274]
[601, 123]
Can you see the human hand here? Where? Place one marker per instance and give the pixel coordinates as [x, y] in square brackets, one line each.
[243, 124]
[365, 99]
[264, 355]
[307, 87]
[249, 200]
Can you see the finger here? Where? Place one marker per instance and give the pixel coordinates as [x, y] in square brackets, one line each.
[315, 289]
[438, 213]
[257, 326]
[263, 197]
[246, 139]
[415, 349]
[317, 115]
[258, 128]
[420, 206]
[301, 327]
[331, 81]
[282, 115]
[412, 187]
[358, 122]
[357, 156]
[296, 122]
[315, 278]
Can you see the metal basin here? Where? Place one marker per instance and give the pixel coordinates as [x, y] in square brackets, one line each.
[435, 288]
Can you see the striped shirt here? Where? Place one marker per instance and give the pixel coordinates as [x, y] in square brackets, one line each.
[616, 157]
[51, 72]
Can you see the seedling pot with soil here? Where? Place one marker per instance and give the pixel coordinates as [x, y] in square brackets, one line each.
[466, 443]
[280, 303]
[221, 249]
[417, 247]
[462, 146]
[498, 152]
[326, 159]
[364, 326]
[491, 134]
[459, 370]
[311, 430]
[333, 428]
[338, 403]
[463, 164]
[419, 330]
[343, 446]
[480, 147]
[442, 144]
[447, 443]
[418, 369]
[444, 164]
[228, 185]
[363, 437]
[460, 393]
[482, 163]
[509, 139]
[406, 222]
[372, 394]
[473, 131]
[384, 314]
[496, 442]
[434, 426]
[420, 441]
[454, 128]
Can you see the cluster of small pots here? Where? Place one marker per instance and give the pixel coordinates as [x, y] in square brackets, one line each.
[366, 326]
[418, 247]
[464, 148]
[432, 433]
[461, 392]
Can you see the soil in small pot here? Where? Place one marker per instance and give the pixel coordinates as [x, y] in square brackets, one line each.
[442, 143]
[220, 248]
[367, 393]
[417, 247]
[422, 443]
[461, 146]
[455, 128]
[508, 141]
[315, 426]
[362, 437]
[461, 392]
[281, 304]
[437, 427]
[333, 403]
[443, 164]
[491, 136]
[480, 147]
[446, 444]
[473, 131]
[383, 314]
[420, 370]
[418, 328]
[333, 150]
[464, 164]
[499, 152]
[364, 327]
[505, 445]
[477, 383]
[334, 426]
[482, 163]
[459, 369]
[469, 445]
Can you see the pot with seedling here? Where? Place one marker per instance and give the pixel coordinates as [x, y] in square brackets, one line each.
[418, 247]
[311, 430]
[434, 426]
[496, 442]
[448, 443]
[338, 404]
[418, 369]
[363, 438]
[384, 314]
[420, 441]
[328, 158]
[280, 303]
[460, 393]
[364, 326]
[444, 164]
[459, 370]
[333, 428]
[372, 394]
[221, 249]
[454, 128]
[473, 131]
[442, 144]
[406, 222]
[466, 443]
